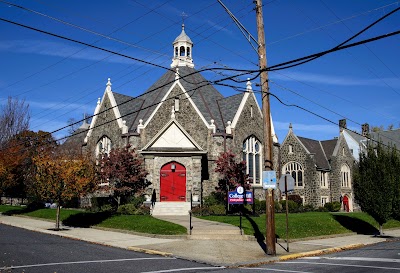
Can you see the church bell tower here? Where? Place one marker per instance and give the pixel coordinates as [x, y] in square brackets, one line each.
[182, 50]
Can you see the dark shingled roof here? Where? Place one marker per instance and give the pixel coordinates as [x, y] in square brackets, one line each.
[389, 138]
[204, 95]
[73, 144]
[315, 147]
[329, 147]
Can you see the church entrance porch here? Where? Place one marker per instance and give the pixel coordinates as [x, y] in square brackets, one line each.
[173, 182]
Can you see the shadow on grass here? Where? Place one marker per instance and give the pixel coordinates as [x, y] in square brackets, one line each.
[257, 233]
[87, 219]
[29, 208]
[356, 225]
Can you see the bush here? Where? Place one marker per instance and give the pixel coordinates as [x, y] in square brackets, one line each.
[215, 198]
[278, 207]
[35, 205]
[296, 198]
[217, 210]
[292, 205]
[137, 201]
[143, 210]
[201, 211]
[260, 206]
[322, 209]
[307, 208]
[106, 208]
[333, 207]
[128, 209]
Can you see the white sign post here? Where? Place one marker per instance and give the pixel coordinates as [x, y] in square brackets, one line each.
[269, 180]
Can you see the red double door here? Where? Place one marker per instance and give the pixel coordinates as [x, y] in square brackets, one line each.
[173, 182]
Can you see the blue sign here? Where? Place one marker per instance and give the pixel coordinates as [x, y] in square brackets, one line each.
[234, 197]
[269, 180]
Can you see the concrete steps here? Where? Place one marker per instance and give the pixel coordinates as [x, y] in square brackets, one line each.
[170, 208]
[206, 230]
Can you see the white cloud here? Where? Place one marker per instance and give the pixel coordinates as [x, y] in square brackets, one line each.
[58, 49]
[55, 105]
[335, 80]
[314, 131]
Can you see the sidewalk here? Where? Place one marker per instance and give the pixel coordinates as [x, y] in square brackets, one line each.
[215, 252]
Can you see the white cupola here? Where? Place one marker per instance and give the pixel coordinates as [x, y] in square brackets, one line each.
[182, 50]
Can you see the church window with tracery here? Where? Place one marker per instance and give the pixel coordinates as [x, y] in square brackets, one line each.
[252, 151]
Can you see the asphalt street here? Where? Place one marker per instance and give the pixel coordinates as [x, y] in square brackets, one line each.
[26, 251]
[382, 257]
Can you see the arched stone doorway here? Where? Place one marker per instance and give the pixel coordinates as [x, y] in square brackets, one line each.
[173, 182]
[346, 203]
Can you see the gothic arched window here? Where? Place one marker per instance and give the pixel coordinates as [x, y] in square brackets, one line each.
[345, 176]
[296, 171]
[252, 154]
[103, 146]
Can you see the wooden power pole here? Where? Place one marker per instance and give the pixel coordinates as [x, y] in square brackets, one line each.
[268, 163]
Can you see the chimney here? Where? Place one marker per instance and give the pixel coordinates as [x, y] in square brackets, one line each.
[365, 129]
[342, 125]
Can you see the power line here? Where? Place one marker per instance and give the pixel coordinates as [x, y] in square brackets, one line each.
[333, 23]
[373, 53]
[340, 46]
[233, 78]
[242, 90]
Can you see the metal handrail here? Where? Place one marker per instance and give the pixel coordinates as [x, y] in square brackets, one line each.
[190, 213]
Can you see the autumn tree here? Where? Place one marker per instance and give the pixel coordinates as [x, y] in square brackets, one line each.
[377, 183]
[60, 178]
[232, 172]
[14, 119]
[16, 156]
[123, 173]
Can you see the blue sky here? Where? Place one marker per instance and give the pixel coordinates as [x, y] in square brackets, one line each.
[62, 80]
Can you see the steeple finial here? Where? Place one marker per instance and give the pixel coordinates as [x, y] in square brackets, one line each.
[183, 15]
[108, 88]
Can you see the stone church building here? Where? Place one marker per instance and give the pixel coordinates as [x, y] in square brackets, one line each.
[322, 170]
[180, 126]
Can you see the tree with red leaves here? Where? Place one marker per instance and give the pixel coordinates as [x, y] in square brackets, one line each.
[233, 173]
[123, 174]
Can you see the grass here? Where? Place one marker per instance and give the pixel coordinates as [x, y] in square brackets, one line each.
[310, 224]
[301, 225]
[79, 218]
[144, 224]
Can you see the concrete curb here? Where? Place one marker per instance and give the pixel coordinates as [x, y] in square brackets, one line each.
[318, 252]
[149, 251]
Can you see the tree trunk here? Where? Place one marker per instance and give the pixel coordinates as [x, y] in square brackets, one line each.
[58, 216]
[380, 230]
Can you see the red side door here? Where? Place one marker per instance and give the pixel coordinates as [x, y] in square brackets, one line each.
[173, 182]
[346, 203]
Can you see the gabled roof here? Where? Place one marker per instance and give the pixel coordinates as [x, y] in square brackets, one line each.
[389, 137]
[315, 147]
[355, 136]
[329, 147]
[211, 103]
[228, 107]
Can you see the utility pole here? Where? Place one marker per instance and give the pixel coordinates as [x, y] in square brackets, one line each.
[268, 164]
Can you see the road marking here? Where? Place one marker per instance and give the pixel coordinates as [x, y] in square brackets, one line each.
[355, 259]
[185, 269]
[84, 262]
[345, 265]
[273, 269]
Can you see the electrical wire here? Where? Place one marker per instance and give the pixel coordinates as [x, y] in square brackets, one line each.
[241, 89]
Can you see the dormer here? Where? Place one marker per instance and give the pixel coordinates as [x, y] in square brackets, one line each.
[182, 47]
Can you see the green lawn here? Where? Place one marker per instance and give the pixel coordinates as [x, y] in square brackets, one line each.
[301, 225]
[310, 224]
[79, 218]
